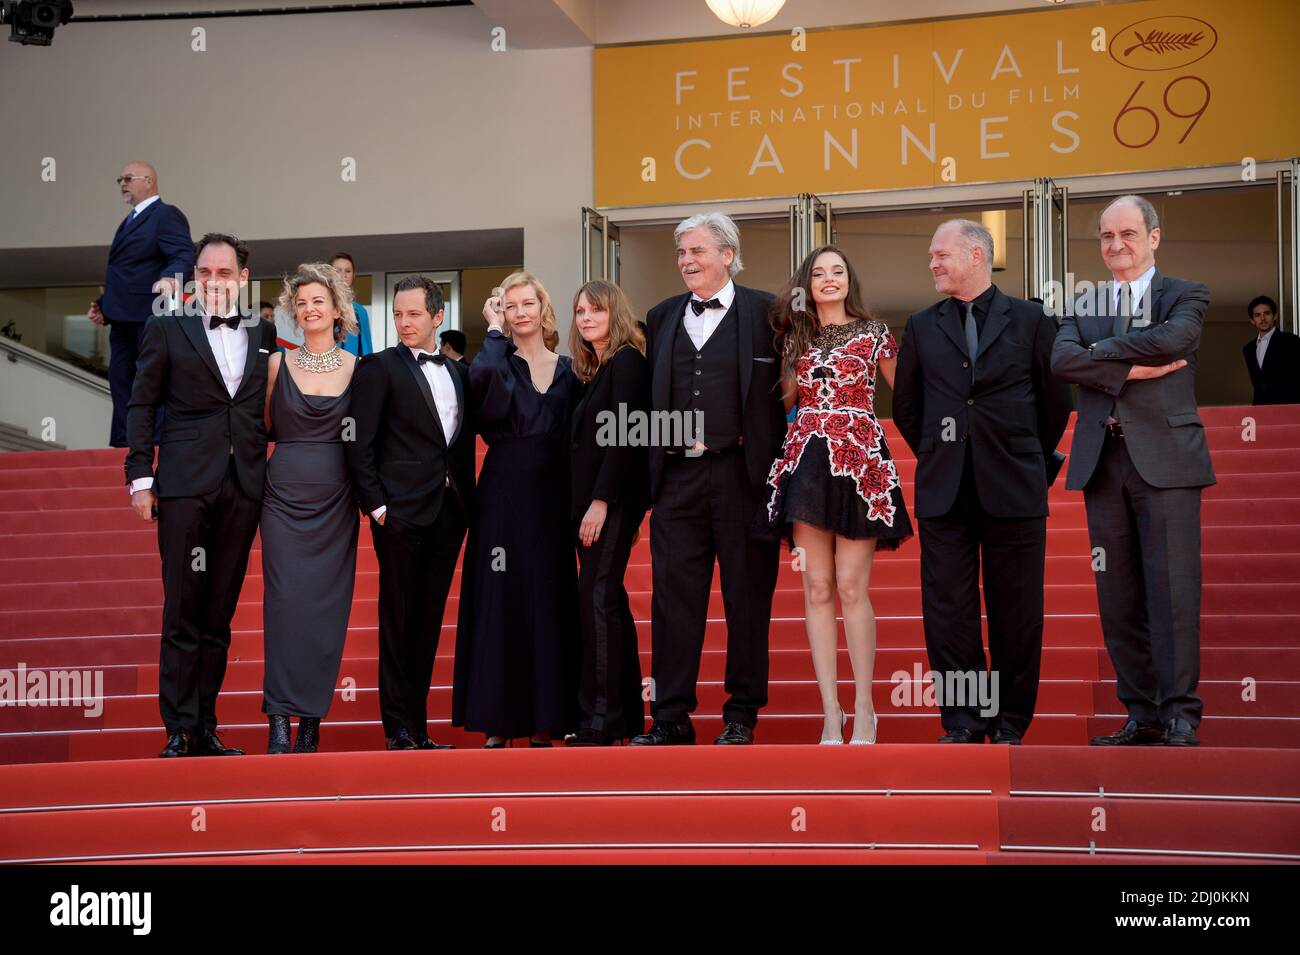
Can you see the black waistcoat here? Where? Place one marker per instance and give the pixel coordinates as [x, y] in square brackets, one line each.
[708, 380]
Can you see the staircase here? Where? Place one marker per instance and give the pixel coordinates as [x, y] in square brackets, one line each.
[80, 591]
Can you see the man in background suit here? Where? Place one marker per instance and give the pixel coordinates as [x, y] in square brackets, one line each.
[207, 368]
[413, 467]
[1273, 358]
[151, 249]
[712, 360]
[974, 397]
[1140, 457]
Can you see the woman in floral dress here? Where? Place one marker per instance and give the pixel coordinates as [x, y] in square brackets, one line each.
[835, 489]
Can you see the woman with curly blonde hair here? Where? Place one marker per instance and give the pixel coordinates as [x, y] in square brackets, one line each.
[309, 514]
[517, 635]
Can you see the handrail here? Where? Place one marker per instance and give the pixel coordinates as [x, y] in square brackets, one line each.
[17, 351]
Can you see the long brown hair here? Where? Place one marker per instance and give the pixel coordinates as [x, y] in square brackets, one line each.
[623, 328]
[796, 328]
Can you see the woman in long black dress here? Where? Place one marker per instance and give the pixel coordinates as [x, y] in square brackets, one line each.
[517, 631]
[309, 514]
[835, 488]
[610, 494]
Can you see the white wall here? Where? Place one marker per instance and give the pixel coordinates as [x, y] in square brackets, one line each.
[37, 388]
[249, 136]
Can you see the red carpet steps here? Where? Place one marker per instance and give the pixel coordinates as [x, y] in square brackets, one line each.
[79, 589]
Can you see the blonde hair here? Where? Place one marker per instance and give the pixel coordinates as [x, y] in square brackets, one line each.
[319, 273]
[623, 328]
[550, 332]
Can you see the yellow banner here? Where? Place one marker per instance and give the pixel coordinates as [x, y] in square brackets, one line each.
[1056, 92]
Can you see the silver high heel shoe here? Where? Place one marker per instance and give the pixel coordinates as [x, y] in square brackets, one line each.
[875, 728]
[844, 718]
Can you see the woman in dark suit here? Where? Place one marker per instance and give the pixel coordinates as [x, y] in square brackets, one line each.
[610, 482]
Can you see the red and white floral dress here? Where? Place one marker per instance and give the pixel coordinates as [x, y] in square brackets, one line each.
[835, 471]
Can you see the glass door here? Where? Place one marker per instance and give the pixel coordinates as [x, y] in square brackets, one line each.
[1045, 220]
[600, 247]
[811, 226]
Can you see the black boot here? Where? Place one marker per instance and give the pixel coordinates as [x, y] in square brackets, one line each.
[278, 740]
[308, 737]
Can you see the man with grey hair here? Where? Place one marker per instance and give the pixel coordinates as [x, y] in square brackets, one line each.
[975, 398]
[1140, 457]
[712, 362]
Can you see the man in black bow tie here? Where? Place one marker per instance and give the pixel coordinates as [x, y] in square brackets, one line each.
[712, 361]
[413, 466]
[208, 371]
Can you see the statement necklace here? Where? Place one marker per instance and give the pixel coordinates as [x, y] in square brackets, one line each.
[327, 361]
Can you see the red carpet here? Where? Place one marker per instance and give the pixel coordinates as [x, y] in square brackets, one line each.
[79, 589]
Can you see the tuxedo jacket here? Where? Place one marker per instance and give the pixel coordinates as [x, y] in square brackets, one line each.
[203, 425]
[1278, 382]
[616, 473]
[1163, 433]
[1010, 409]
[156, 244]
[763, 422]
[400, 456]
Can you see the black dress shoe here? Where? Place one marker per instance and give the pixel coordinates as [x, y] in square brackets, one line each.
[1180, 733]
[277, 740]
[588, 737]
[736, 734]
[962, 735]
[666, 734]
[1005, 736]
[498, 742]
[178, 744]
[209, 744]
[402, 739]
[422, 741]
[308, 737]
[1132, 733]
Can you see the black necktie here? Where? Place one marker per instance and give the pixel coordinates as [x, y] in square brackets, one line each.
[436, 359]
[1123, 311]
[231, 322]
[700, 306]
[972, 334]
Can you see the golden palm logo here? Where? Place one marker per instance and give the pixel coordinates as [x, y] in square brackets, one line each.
[1163, 43]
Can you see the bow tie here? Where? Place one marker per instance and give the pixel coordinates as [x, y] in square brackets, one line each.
[232, 322]
[426, 356]
[700, 306]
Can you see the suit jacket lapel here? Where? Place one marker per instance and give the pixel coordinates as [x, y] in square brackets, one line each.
[192, 325]
[995, 322]
[746, 335]
[459, 385]
[132, 224]
[950, 321]
[1154, 291]
[254, 336]
[406, 358]
[662, 384]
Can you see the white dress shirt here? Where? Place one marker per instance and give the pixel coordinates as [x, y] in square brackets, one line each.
[230, 349]
[1140, 308]
[1261, 346]
[143, 205]
[444, 397]
[701, 326]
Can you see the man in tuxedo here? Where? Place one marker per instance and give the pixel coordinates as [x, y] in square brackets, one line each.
[1140, 457]
[453, 345]
[1273, 358]
[151, 248]
[977, 403]
[207, 369]
[712, 361]
[413, 466]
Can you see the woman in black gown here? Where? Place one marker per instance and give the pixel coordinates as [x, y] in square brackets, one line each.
[309, 514]
[517, 632]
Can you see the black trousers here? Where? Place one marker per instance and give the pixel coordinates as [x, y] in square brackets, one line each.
[1014, 551]
[1149, 592]
[705, 512]
[204, 544]
[416, 566]
[609, 687]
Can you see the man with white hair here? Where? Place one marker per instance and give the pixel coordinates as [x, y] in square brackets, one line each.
[712, 361]
[975, 398]
[1140, 457]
